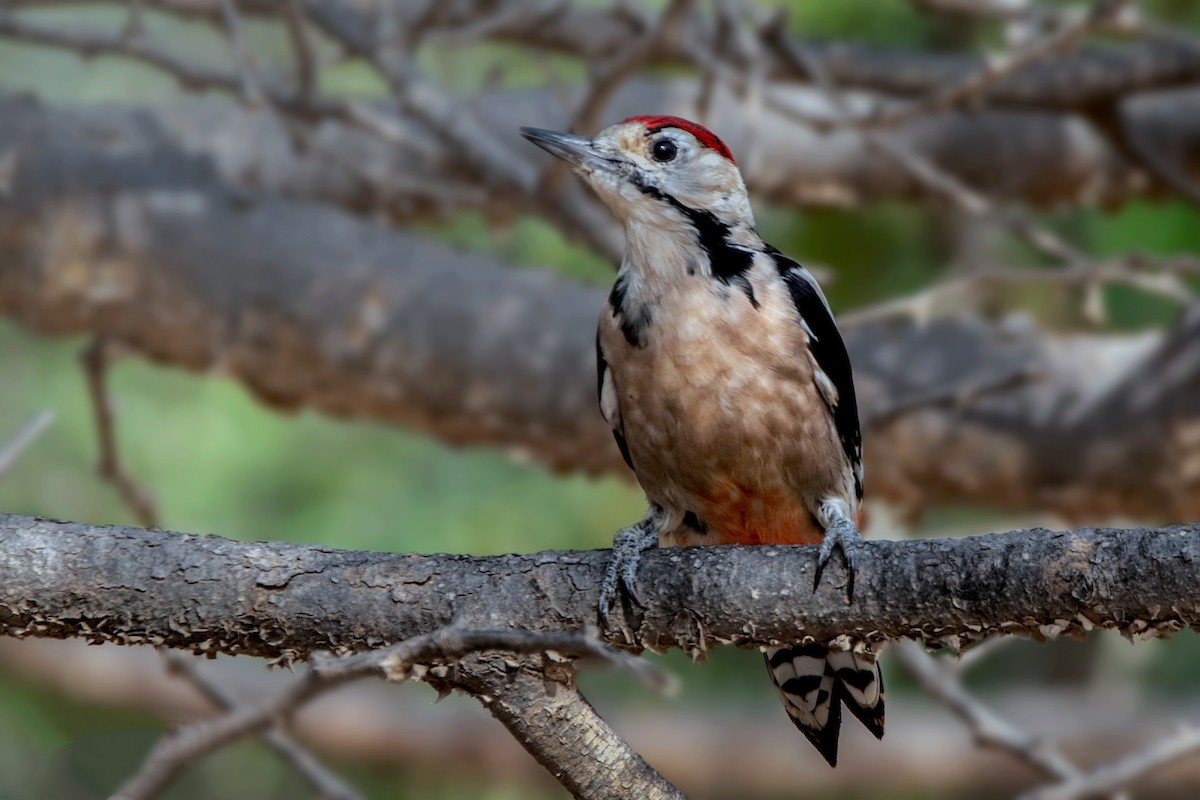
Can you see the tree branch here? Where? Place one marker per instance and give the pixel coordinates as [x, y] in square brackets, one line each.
[521, 701]
[1041, 159]
[327, 785]
[1062, 82]
[370, 323]
[96, 361]
[266, 598]
[377, 725]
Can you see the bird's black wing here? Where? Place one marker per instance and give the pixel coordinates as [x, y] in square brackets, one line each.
[829, 353]
[608, 407]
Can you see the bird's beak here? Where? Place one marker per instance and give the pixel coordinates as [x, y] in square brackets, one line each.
[578, 151]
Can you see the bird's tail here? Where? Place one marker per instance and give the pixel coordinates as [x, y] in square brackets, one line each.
[814, 681]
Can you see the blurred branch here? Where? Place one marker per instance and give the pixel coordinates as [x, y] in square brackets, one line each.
[940, 679]
[606, 81]
[128, 44]
[95, 361]
[1123, 771]
[393, 730]
[976, 84]
[1077, 267]
[210, 595]
[327, 785]
[11, 450]
[411, 658]
[1054, 82]
[1039, 157]
[370, 323]
[302, 48]
[247, 80]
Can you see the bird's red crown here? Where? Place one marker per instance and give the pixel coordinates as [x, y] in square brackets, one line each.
[702, 134]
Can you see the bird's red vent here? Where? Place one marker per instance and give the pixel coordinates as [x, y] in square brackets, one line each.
[702, 134]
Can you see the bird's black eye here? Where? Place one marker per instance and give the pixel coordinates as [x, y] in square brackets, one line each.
[663, 150]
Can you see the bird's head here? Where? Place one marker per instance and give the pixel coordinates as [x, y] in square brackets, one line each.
[655, 169]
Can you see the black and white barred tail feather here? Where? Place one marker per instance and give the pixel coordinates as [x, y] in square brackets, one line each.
[813, 682]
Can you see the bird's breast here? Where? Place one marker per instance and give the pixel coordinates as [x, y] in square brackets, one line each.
[721, 413]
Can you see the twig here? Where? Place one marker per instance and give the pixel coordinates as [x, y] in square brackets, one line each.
[975, 85]
[402, 661]
[1156, 276]
[988, 729]
[135, 23]
[453, 121]
[247, 81]
[325, 782]
[1079, 268]
[31, 430]
[1153, 160]
[190, 76]
[306, 61]
[95, 360]
[1112, 777]
[624, 64]
[1130, 21]
[91, 43]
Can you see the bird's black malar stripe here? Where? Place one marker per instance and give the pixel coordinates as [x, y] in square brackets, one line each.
[829, 351]
[728, 262]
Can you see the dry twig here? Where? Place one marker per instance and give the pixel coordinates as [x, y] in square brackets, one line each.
[11, 450]
[406, 660]
[1114, 776]
[941, 682]
[95, 360]
[610, 78]
[328, 785]
[973, 87]
[1079, 269]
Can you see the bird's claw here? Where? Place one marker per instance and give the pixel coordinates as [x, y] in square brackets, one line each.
[840, 535]
[628, 546]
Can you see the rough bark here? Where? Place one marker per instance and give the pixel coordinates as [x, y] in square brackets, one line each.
[286, 601]
[120, 233]
[563, 733]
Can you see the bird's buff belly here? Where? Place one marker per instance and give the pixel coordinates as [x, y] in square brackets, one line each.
[745, 456]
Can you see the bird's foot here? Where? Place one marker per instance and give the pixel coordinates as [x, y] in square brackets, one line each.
[628, 546]
[840, 534]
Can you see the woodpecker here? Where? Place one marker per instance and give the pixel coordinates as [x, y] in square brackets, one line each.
[727, 386]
